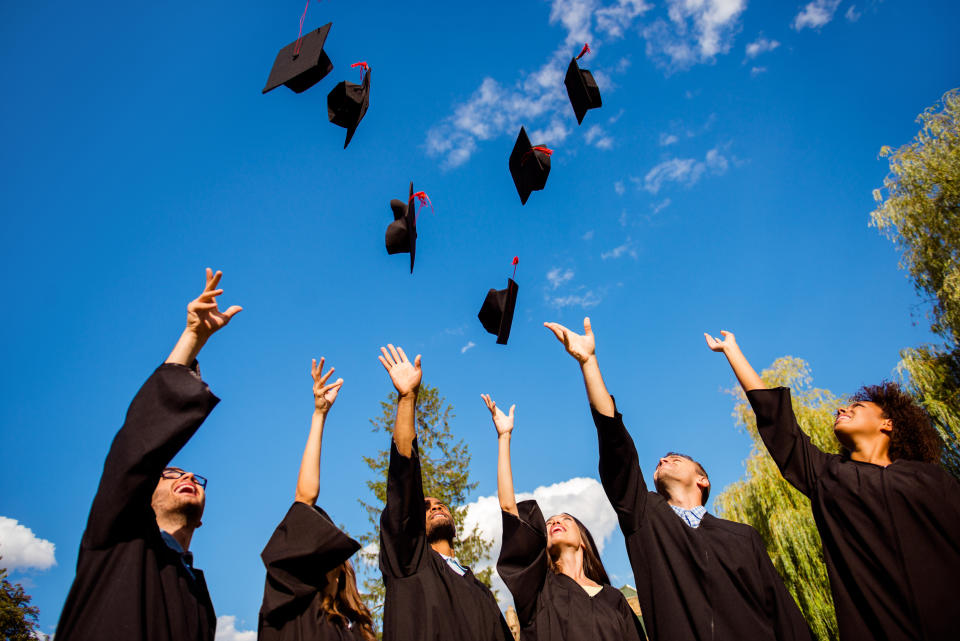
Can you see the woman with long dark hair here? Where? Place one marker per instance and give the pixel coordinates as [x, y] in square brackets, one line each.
[553, 569]
[311, 589]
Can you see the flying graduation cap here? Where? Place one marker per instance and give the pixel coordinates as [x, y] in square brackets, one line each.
[401, 236]
[529, 166]
[302, 63]
[581, 87]
[348, 102]
[496, 314]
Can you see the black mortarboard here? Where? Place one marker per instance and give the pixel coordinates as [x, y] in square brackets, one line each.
[529, 166]
[347, 105]
[497, 311]
[300, 66]
[401, 234]
[582, 89]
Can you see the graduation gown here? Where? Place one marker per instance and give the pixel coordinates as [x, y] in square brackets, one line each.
[714, 582]
[130, 584]
[304, 547]
[891, 535]
[425, 599]
[550, 606]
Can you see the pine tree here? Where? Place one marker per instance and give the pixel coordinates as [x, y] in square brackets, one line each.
[445, 468]
[781, 514]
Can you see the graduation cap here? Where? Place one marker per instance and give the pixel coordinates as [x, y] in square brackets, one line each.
[496, 314]
[401, 236]
[302, 63]
[581, 87]
[348, 102]
[529, 166]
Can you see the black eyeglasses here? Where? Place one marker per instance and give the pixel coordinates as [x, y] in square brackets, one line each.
[171, 473]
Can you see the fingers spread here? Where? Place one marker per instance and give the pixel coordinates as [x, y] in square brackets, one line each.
[212, 282]
[403, 356]
[232, 311]
[393, 352]
[384, 362]
[386, 359]
[512, 407]
[326, 377]
[416, 361]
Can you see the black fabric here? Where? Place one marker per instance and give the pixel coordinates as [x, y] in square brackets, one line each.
[714, 582]
[891, 536]
[304, 547]
[401, 234]
[347, 104]
[130, 585]
[301, 70]
[553, 606]
[529, 167]
[582, 90]
[425, 599]
[496, 313]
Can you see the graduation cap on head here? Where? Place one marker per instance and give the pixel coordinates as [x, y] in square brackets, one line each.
[529, 166]
[581, 87]
[302, 63]
[496, 314]
[348, 102]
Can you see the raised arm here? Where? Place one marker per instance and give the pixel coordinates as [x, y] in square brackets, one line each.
[406, 380]
[504, 424]
[584, 349]
[746, 375]
[324, 395]
[203, 319]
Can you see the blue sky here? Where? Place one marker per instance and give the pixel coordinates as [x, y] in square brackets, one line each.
[725, 184]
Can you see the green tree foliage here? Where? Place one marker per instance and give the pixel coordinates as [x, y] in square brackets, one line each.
[781, 514]
[445, 467]
[18, 619]
[918, 208]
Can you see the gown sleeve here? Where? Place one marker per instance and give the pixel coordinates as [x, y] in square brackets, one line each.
[523, 563]
[800, 461]
[304, 547]
[403, 536]
[169, 408]
[620, 472]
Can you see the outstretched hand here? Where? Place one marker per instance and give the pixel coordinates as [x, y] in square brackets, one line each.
[729, 341]
[581, 347]
[324, 395]
[203, 316]
[404, 374]
[503, 422]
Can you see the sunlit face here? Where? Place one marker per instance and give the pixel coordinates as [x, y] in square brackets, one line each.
[861, 419]
[182, 494]
[438, 514]
[562, 531]
[673, 469]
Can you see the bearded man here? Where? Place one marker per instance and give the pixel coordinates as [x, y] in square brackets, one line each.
[135, 575]
[430, 595]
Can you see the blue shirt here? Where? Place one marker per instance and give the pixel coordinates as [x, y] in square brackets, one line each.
[185, 557]
[691, 517]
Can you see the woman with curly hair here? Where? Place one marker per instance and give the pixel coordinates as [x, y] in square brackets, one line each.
[311, 589]
[887, 513]
[553, 569]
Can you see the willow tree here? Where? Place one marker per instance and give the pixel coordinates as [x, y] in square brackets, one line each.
[918, 208]
[445, 468]
[774, 508]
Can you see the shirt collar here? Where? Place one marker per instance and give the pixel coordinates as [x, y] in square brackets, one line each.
[691, 517]
[186, 558]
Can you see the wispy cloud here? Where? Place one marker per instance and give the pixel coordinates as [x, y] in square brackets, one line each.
[667, 139]
[756, 71]
[469, 345]
[558, 276]
[596, 136]
[852, 15]
[760, 45]
[815, 14]
[21, 548]
[626, 249]
[619, 187]
[585, 299]
[657, 207]
[685, 171]
[697, 32]
[227, 630]
[588, 235]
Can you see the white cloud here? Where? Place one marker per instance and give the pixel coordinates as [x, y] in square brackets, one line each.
[583, 498]
[686, 171]
[761, 45]
[227, 630]
[597, 137]
[585, 300]
[698, 31]
[469, 345]
[21, 548]
[620, 250]
[588, 235]
[615, 19]
[558, 276]
[756, 71]
[815, 14]
[852, 15]
[656, 208]
[667, 139]
[619, 187]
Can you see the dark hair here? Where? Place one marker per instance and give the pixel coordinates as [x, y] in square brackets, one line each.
[913, 437]
[347, 607]
[592, 565]
[705, 492]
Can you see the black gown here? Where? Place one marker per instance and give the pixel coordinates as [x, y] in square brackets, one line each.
[891, 535]
[550, 606]
[304, 547]
[425, 599]
[714, 582]
[130, 584]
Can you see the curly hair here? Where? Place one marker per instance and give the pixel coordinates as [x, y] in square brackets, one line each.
[913, 438]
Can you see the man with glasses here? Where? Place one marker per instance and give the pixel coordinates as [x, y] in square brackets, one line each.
[135, 576]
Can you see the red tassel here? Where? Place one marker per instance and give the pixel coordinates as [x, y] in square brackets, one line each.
[363, 67]
[424, 199]
[585, 50]
[516, 259]
[539, 148]
[296, 51]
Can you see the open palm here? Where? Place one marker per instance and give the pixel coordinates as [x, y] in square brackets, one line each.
[324, 395]
[503, 422]
[404, 374]
[580, 346]
[203, 315]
